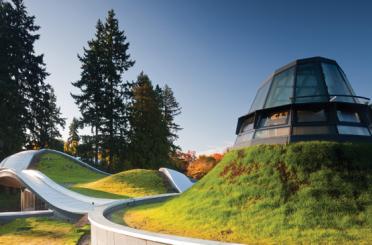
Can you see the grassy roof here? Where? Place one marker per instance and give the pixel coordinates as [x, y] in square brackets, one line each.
[298, 193]
[65, 171]
[132, 183]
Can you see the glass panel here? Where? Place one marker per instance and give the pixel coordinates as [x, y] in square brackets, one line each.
[315, 115]
[350, 130]
[273, 132]
[314, 130]
[309, 83]
[281, 89]
[357, 100]
[259, 100]
[244, 137]
[335, 83]
[247, 125]
[348, 116]
[275, 118]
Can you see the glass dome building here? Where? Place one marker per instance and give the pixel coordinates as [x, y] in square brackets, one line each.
[308, 99]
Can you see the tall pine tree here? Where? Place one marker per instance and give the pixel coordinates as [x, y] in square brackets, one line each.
[22, 74]
[148, 147]
[90, 84]
[101, 101]
[171, 109]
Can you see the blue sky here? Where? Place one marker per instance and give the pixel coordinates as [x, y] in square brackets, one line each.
[214, 54]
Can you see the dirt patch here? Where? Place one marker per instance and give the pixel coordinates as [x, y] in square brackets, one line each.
[234, 170]
[289, 179]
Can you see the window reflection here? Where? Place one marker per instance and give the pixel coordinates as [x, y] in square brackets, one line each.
[312, 130]
[259, 100]
[244, 137]
[351, 130]
[274, 118]
[309, 83]
[335, 82]
[281, 89]
[348, 116]
[247, 125]
[273, 132]
[314, 115]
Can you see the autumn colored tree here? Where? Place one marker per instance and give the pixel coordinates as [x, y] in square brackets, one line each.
[202, 165]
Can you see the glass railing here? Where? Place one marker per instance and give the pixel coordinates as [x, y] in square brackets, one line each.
[333, 98]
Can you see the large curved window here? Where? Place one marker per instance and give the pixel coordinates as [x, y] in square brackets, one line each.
[281, 89]
[259, 100]
[335, 83]
[309, 84]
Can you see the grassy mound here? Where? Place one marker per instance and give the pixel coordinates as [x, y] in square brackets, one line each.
[64, 170]
[313, 192]
[132, 183]
[40, 231]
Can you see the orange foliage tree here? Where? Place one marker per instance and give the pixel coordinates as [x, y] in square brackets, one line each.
[202, 165]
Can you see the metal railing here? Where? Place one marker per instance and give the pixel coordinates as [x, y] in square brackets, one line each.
[333, 97]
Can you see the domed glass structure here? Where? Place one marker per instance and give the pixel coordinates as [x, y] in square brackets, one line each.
[308, 99]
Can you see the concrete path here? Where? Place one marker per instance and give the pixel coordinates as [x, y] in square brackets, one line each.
[60, 197]
[51, 192]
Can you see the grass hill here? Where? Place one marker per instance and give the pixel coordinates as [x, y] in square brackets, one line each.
[132, 183]
[313, 192]
[64, 170]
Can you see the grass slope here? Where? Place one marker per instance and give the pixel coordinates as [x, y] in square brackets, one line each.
[132, 183]
[35, 231]
[313, 192]
[64, 170]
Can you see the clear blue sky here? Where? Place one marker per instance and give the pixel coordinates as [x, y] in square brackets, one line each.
[214, 54]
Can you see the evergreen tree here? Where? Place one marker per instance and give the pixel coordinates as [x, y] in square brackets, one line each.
[102, 97]
[22, 75]
[148, 146]
[116, 61]
[171, 109]
[89, 100]
[72, 143]
[46, 118]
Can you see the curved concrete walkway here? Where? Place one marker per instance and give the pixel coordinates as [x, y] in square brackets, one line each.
[54, 194]
[60, 197]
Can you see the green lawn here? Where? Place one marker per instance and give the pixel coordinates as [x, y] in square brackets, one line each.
[132, 183]
[309, 193]
[37, 231]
